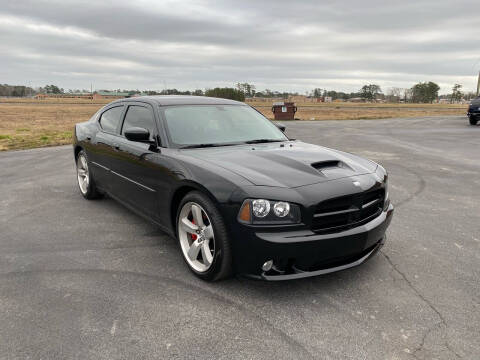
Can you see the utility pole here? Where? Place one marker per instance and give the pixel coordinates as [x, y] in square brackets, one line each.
[478, 84]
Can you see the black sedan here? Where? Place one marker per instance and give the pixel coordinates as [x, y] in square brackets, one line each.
[474, 111]
[232, 188]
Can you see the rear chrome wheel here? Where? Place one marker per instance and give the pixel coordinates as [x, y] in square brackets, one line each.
[196, 236]
[85, 179]
[83, 175]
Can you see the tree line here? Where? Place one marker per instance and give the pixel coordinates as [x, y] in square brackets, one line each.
[422, 92]
[16, 90]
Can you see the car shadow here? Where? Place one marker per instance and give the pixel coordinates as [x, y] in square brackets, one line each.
[238, 287]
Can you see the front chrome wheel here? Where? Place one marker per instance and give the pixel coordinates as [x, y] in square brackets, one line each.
[83, 174]
[195, 232]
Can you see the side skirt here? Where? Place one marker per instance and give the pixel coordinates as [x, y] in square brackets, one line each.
[166, 230]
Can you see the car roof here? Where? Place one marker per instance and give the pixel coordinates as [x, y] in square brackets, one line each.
[183, 100]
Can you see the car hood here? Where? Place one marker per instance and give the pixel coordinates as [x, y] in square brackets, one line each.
[288, 164]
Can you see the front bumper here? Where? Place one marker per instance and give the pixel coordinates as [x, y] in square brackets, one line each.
[303, 253]
[474, 111]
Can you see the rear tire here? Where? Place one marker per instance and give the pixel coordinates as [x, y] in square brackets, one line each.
[85, 180]
[203, 238]
[473, 120]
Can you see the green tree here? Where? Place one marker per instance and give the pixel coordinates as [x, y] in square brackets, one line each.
[53, 89]
[246, 88]
[369, 92]
[226, 93]
[333, 94]
[425, 92]
[456, 93]
[317, 92]
[15, 90]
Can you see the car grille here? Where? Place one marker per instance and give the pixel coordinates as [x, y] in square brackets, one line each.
[349, 211]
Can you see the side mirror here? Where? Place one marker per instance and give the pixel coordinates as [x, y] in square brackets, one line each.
[138, 134]
[280, 126]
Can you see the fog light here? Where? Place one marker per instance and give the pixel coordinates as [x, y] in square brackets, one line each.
[267, 266]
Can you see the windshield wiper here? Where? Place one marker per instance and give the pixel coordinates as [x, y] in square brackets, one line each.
[258, 141]
[206, 145]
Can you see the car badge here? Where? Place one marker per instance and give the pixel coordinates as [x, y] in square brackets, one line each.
[356, 183]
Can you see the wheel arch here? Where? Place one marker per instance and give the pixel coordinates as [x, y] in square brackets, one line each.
[76, 150]
[180, 193]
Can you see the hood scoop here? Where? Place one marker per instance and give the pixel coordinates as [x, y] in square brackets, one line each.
[333, 168]
[321, 165]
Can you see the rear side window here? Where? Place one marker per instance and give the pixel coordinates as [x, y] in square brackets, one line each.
[111, 118]
[139, 116]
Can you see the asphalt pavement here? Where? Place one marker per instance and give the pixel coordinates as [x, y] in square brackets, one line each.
[90, 280]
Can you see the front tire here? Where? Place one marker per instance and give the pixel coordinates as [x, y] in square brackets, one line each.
[203, 238]
[85, 180]
[473, 120]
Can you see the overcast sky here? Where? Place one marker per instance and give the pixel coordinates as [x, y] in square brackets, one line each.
[291, 45]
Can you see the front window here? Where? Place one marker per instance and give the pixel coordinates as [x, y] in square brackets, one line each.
[216, 125]
[139, 116]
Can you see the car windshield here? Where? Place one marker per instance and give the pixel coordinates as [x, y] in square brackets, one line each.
[217, 125]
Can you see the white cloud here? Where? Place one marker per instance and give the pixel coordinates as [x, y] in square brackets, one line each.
[273, 44]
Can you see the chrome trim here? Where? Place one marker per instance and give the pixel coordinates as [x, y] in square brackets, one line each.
[103, 167]
[370, 203]
[133, 181]
[335, 212]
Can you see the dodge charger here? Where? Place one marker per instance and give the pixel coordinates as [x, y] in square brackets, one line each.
[239, 196]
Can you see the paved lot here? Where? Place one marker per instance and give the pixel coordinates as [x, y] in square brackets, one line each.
[88, 279]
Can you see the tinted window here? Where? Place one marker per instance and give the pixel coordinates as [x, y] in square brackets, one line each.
[195, 124]
[111, 118]
[139, 116]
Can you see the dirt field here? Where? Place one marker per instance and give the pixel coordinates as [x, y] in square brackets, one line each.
[37, 123]
[27, 123]
[359, 111]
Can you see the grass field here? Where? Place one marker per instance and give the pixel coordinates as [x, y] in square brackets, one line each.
[27, 123]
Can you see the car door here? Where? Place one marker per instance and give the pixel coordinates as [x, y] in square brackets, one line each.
[134, 169]
[102, 150]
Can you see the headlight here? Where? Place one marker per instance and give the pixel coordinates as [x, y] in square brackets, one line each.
[260, 208]
[281, 209]
[268, 212]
